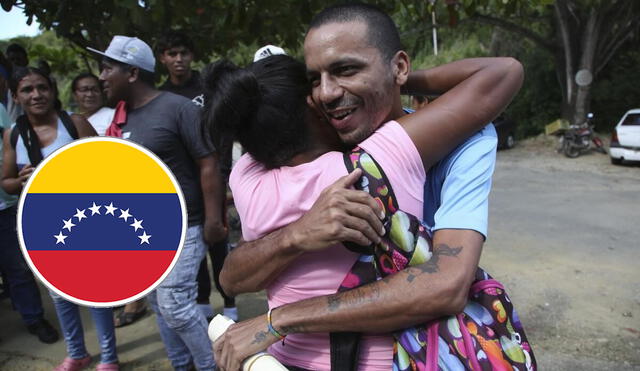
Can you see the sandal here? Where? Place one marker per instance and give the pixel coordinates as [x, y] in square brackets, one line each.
[108, 367]
[70, 364]
[126, 318]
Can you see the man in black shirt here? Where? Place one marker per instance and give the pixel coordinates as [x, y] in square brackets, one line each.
[175, 52]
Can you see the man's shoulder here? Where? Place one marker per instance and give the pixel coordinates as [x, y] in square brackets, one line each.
[473, 151]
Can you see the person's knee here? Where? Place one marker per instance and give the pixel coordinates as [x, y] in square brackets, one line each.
[178, 308]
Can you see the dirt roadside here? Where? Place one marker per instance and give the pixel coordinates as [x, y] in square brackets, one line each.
[563, 239]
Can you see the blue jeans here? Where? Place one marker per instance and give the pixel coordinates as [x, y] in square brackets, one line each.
[183, 328]
[71, 325]
[22, 286]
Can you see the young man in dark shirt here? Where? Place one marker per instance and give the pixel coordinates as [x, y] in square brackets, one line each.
[175, 52]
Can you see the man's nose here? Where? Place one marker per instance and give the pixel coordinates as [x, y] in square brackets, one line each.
[102, 76]
[330, 90]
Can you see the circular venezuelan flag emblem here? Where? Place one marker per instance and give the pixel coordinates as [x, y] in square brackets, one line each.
[102, 221]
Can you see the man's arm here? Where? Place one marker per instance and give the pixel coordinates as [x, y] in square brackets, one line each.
[213, 194]
[339, 214]
[383, 306]
[461, 185]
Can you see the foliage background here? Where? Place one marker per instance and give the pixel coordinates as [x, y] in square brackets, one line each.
[537, 104]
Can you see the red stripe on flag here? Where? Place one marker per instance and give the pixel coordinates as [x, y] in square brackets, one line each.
[102, 276]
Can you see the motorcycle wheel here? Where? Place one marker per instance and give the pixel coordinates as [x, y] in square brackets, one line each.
[570, 150]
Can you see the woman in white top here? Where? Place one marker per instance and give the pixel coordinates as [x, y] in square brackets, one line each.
[88, 96]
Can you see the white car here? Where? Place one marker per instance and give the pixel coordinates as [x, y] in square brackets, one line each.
[625, 139]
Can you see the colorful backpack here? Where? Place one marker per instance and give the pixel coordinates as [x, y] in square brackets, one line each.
[487, 335]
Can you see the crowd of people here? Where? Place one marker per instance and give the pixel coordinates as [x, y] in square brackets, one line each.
[304, 227]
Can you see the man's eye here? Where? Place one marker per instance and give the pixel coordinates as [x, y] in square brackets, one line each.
[346, 70]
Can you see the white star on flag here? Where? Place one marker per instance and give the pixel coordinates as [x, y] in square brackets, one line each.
[124, 214]
[68, 224]
[137, 224]
[60, 238]
[110, 209]
[144, 238]
[80, 214]
[95, 209]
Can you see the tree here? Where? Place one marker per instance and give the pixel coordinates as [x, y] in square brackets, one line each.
[582, 35]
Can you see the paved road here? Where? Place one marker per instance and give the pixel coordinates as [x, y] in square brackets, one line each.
[564, 238]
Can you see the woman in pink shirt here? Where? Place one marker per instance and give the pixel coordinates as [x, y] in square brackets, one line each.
[293, 155]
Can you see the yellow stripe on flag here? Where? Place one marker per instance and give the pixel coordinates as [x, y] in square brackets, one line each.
[102, 167]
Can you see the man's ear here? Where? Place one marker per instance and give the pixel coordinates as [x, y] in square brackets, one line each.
[134, 74]
[401, 67]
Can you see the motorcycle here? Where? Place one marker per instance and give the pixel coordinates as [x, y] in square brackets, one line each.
[579, 138]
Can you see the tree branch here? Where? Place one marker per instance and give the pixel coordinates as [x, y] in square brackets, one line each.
[512, 27]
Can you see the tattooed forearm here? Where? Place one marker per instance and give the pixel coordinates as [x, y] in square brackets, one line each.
[286, 330]
[358, 296]
[260, 337]
[431, 266]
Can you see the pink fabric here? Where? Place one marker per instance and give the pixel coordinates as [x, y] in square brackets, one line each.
[267, 200]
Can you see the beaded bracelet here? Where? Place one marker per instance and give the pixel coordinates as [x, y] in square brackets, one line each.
[272, 330]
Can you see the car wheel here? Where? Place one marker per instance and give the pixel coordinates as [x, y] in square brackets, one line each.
[510, 142]
[616, 161]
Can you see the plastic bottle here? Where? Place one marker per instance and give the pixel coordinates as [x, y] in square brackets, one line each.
[258, 362]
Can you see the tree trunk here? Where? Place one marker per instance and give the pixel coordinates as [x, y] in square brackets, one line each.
[588, 49]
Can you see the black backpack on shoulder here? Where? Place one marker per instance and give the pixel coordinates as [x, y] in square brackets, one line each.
[30, 138]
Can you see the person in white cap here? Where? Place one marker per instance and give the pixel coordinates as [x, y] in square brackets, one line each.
[169, 125]
[267, 51]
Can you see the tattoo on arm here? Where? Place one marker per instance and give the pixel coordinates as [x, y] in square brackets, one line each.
[358, 296]
[431, 266]
[260, 337]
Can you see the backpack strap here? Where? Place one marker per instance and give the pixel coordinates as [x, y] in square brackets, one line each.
[345, 346]
[29, 138]
[375, 182]
[68, 124]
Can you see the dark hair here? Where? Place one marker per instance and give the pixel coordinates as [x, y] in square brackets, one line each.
[20, 73]
[173, 39]
[84, 75]
[382, 32]
[16, 48]
[145, 76]
[262, 106]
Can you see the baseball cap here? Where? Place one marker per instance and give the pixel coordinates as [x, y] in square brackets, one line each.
[131, 51]
[267, 51]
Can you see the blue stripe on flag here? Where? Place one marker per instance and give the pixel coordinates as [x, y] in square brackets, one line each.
[140, 221]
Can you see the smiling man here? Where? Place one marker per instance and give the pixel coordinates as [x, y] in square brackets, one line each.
[353, 55]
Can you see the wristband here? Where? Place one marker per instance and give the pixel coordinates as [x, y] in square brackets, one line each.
[272, 330]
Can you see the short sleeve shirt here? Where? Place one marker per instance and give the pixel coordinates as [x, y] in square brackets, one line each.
[169, 126]
[456, 192]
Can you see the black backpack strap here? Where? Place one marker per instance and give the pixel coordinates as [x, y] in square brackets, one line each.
[29, 139]
[14, 137]
[68, 124]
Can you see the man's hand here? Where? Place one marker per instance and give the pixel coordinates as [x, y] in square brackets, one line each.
[240, 341]
[214, 231]
[339, 214]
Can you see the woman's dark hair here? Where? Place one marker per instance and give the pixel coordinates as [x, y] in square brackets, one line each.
[20, 73]
[262, 106]
[84, 75]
